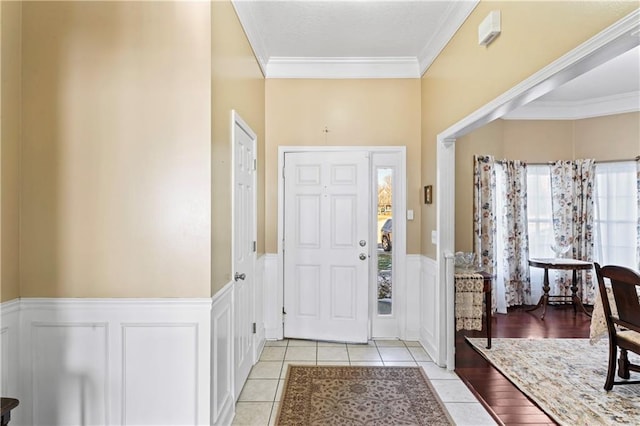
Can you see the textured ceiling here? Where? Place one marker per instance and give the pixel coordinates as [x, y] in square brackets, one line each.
[348, 29]
[400, 38]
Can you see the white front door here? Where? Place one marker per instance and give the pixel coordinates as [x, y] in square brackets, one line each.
[326, 247]
[244, 232]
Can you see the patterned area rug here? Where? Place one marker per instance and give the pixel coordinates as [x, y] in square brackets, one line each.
[323, 395]
[565, 378]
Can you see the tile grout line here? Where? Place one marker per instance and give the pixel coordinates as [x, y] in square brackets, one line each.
[273, 404]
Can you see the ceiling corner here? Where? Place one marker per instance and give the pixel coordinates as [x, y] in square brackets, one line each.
[451, 21]
[250, 26]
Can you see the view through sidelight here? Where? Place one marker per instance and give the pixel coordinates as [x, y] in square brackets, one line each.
[385, 241]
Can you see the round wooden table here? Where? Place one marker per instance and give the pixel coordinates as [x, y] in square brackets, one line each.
[561, 264]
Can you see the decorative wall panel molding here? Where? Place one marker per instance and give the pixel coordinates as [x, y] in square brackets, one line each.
[259, 306]
[111, 361]
[428, 300]
[272, 306]
[10, 354]
[413, 278]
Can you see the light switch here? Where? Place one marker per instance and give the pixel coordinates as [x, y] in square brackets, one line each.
[409, 214]
[434, 237]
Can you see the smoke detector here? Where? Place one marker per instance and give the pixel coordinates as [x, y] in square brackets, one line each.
[489, 29]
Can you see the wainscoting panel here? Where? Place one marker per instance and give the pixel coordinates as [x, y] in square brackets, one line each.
[114, 361]
[259, 308]
[9, 353]
[272, 306]
[413, 276]
[69, 372]
[154, 355]
[428, 320]
[222, 369]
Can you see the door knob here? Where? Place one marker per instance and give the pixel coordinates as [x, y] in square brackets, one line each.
[363, 256]
[238, 276]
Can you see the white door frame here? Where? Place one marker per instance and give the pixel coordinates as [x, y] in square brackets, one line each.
[401, 201]
[611, 42]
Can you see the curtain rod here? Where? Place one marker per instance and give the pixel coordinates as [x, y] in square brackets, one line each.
[601, 161]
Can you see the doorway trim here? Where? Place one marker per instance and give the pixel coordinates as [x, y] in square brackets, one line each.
[609, 43]
[401, 258]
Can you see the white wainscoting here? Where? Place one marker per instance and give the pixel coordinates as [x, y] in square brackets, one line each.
[428, 319]
[272, 293]
[259, 308]
[413, 289]
[112, 361]
[9, 353]
[222, 359]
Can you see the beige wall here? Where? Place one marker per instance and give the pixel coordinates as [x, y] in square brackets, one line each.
[613, 137]
[10, 64]
[356, 112]
[608, 138]
[116, 149]
[237, 83]
[538, 141]
[466, 76]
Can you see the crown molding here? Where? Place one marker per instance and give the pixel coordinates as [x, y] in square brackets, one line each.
[449, 24]
[356, 67]
[250, 26]
[577, 110]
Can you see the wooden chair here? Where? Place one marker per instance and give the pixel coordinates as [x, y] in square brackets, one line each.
[623, 328]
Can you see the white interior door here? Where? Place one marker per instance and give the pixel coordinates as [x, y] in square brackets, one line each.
[326, 247]
[244, 232]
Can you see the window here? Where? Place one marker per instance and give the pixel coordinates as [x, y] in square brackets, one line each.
[616, 214]
[539, 211]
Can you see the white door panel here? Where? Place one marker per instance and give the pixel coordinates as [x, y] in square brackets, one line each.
[326, 216]
[244, 229]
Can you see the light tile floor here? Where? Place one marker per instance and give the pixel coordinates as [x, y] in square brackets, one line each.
[260, 397]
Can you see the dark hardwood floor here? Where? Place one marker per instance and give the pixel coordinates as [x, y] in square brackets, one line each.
[504, 401]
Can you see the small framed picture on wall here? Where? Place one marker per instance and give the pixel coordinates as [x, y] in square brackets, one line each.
[428, 194]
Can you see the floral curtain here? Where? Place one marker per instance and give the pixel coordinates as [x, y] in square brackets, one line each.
[516, 235]
[572, 184]
[501, 238]
[484, 215]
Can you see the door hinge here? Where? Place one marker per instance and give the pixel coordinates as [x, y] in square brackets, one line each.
[255, 164]
[283, 173]
[255, 246]
[253, 327]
